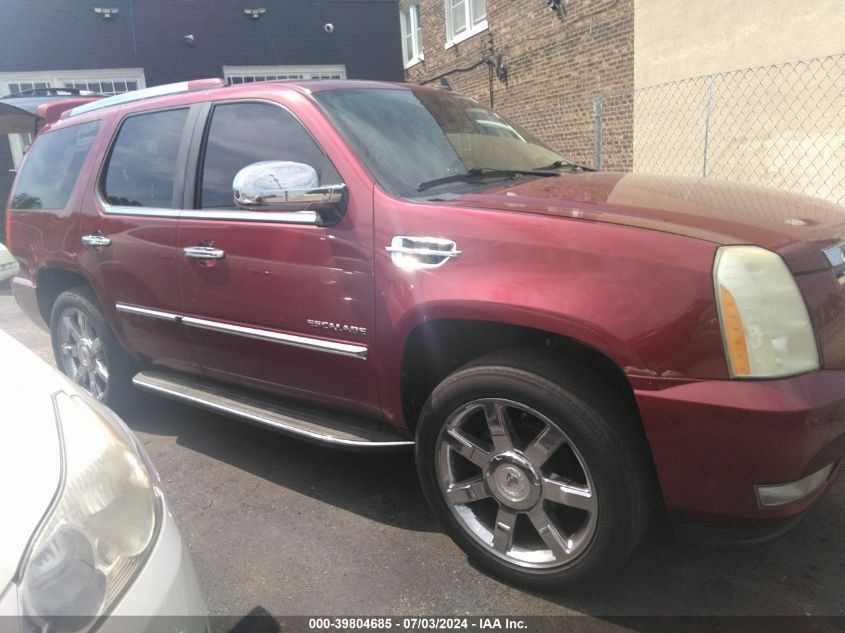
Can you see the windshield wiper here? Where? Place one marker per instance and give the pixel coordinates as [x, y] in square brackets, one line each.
[558, 164]
[483, 172]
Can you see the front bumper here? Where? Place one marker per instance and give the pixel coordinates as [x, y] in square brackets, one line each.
[716, 443]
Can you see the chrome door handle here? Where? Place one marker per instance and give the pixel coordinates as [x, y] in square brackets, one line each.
[203, 252]
[95, 240]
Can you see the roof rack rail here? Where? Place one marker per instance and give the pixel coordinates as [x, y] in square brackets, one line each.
[147, 93]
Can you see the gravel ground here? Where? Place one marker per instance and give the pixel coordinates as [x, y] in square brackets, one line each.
[280, 526]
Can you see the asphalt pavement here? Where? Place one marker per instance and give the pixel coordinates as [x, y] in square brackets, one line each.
[281, 526]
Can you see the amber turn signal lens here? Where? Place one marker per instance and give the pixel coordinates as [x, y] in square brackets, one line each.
[734, 334]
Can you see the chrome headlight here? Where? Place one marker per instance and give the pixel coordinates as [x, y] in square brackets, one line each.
[765, 324]
[101, 526]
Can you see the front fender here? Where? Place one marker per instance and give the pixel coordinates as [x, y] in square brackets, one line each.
[643, 298]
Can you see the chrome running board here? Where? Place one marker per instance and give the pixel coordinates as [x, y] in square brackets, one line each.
[304, 421]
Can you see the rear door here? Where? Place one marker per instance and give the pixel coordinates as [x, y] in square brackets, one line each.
[289, 306]
[133, 211]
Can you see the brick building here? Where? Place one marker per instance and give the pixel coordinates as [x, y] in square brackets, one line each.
[527, 58]
[747, 91]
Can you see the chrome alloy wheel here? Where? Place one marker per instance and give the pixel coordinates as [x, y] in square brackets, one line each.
[516, 483]
[81, 352]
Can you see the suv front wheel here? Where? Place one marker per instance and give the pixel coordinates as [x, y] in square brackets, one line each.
[535, 468]
[85, 348]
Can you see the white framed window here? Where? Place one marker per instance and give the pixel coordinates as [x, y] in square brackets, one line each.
[251, 74]
[104, 81]
[409, 18]
[464, 18]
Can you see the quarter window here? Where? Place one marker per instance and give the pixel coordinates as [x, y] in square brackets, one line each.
[411, 35]
[244, 133]
[143, 164]
[464, 18]
[52, 167]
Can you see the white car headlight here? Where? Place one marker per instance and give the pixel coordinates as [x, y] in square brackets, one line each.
[765, 325]
[99, 530]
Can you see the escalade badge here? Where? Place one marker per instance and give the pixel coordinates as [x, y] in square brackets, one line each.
[337, 327]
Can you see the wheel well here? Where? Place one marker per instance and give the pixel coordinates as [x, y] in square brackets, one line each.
[437, 348]
[51, 283]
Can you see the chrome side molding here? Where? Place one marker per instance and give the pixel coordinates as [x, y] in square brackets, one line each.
[351, 350]
[155, 314]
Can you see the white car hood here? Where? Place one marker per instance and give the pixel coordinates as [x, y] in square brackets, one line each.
[30, 450]
[5, 256]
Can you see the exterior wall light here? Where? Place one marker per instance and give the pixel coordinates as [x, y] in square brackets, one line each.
[255, 13]
[105, 13]
[556, 6]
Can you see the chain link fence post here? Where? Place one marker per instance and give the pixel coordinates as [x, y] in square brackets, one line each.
[709, 111]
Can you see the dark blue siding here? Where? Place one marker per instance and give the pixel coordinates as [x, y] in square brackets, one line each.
[68, 35]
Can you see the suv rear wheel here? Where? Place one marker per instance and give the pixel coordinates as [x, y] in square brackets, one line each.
[534, 468]
[85, 348]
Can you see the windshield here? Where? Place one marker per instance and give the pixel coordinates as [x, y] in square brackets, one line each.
[408, 138]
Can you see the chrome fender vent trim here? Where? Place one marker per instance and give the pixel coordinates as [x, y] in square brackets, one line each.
[417, 253]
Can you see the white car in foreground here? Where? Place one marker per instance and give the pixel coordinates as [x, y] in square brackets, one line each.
[8, 264]
[85, 534]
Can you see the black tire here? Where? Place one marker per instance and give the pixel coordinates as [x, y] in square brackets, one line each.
[118, 387]
[602, 431]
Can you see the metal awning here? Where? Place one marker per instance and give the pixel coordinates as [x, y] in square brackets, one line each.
[19, 115]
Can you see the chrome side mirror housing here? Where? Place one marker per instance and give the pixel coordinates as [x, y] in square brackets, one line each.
[287, 186]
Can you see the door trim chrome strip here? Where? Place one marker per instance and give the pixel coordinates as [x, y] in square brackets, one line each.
[305, 218]
[276, 217]
[153, 212]
[155, 314]
[304, 342]
[343, 349]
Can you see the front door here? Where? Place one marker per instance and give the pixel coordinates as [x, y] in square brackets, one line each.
[277, 305]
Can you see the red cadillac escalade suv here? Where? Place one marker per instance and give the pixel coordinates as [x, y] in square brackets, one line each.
[379, 266]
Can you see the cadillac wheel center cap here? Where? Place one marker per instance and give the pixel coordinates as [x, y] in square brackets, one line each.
[86, 356]
[511, 483]
[514, 481]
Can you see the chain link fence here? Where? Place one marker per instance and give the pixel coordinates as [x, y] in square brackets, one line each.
[780, 126]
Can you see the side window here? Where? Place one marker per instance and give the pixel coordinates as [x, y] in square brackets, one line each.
[409, 20]
[244, 133]
[142, 166]
[52, 167]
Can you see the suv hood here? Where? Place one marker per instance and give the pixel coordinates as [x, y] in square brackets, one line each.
[30, 454]
[798, 227]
